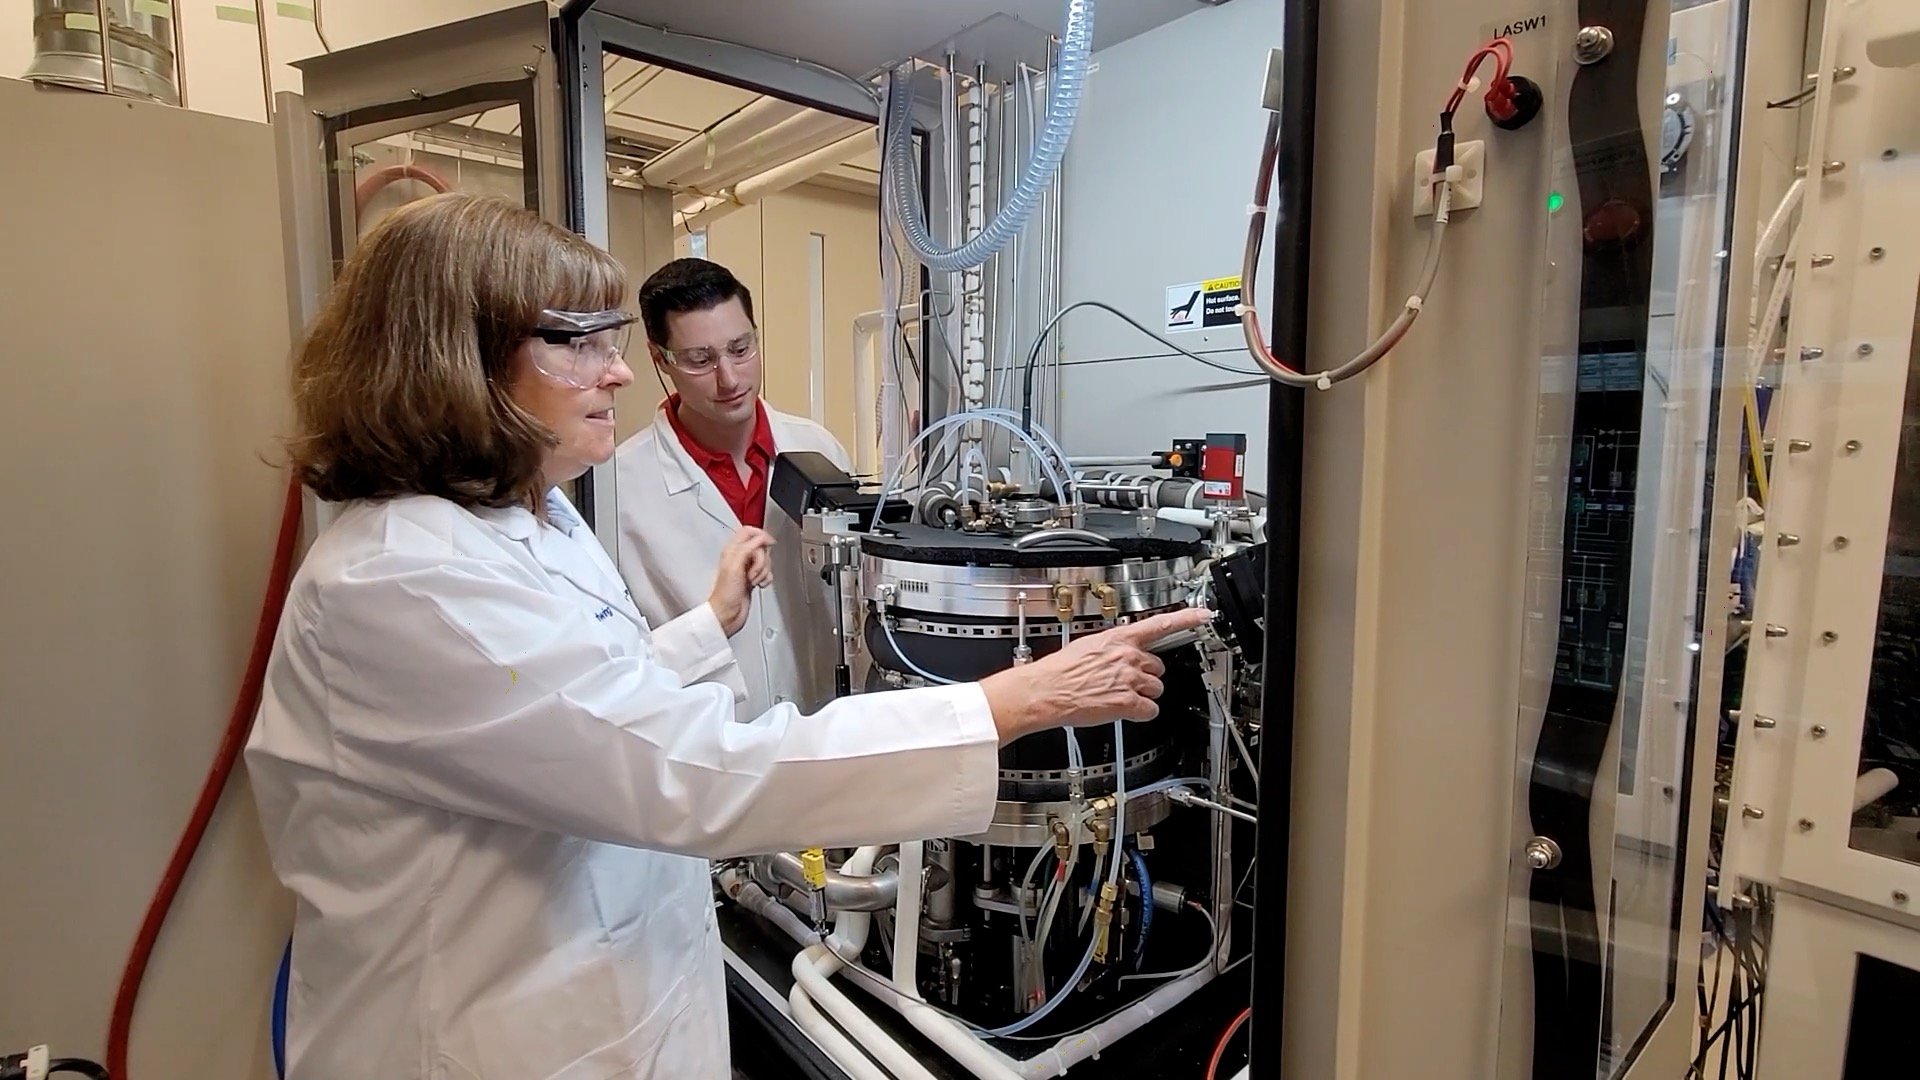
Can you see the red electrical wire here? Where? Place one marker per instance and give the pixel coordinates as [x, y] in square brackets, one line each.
[1220, 1048]
[1500, 51]
[239, 723]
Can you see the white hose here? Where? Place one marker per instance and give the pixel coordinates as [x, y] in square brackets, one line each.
[1062, 1056]
[1075, 1049]
[897, 165]
[814, 965]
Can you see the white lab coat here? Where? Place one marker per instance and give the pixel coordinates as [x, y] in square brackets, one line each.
[493, 792]
[674, 523]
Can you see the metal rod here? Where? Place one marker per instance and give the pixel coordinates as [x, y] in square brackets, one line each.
[266, 60]
[1286, 418]
[180, 52]
[106, 44]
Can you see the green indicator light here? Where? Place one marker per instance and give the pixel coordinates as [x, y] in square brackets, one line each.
[1555, 201]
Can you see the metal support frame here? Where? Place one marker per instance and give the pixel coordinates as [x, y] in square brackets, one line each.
[1286, 444]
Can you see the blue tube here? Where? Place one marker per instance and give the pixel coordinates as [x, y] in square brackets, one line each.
[1069, 76]
[279, 1018]
[1146, 905]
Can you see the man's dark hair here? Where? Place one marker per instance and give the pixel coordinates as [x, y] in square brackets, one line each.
[687, 285]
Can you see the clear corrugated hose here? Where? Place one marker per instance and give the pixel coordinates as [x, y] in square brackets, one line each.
[1050, 148]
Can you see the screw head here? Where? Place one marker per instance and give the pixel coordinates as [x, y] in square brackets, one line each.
[1818, 731]
[1851, 446]
[1900, 896]
[1865, 349]
[1840, 543]
[1889, 154]
[1877, 254]
[1828, 637]
[1806, 824]
[1593, 44]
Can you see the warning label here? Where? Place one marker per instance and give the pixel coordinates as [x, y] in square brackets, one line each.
[1202, 305]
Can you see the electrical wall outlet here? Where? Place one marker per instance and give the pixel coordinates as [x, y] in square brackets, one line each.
[1471, 157]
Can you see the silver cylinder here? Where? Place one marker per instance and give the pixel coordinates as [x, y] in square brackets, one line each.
[844, 892]
[140, 37]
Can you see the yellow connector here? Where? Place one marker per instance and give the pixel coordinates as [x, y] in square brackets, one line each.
[813, 865]
[1102, 832]
[1103, 921]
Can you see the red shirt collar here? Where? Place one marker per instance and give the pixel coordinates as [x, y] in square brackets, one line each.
[759, 451]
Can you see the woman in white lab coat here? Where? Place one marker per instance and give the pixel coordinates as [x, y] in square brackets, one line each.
[491, 787]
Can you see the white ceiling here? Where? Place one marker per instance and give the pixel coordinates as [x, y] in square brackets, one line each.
[860, 37]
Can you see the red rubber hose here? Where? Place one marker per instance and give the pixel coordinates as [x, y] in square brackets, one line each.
[1220, 1048]
[238, 725]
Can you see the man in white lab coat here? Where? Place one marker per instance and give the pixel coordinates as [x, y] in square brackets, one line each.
[702, 469]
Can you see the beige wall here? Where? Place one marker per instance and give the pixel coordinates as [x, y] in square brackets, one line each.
[147, 335]
[767, 246]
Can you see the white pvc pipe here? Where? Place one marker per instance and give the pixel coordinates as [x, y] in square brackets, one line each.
[775, 180]
[960, 1044]
[983, 1060]
[813, 966]
[835, 1045]
[805, 1016]
[690, 155]
[1872, 786]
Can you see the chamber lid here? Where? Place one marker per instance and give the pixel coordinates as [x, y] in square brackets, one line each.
[1120, 529]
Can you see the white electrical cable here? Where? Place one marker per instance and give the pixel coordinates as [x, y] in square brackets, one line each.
[1763, 247]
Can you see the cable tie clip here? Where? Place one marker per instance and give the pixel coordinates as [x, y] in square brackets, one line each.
[1243, 310]
[1323, 383]
[1415, 303]
[1257, 208]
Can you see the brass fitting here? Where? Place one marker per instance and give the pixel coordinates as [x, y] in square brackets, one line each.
[1109, 599]
[1063, 601]
[1102, 835]
[1062, 845]
[1103, 921]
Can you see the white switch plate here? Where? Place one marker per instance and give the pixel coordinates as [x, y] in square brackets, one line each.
[1471, 157]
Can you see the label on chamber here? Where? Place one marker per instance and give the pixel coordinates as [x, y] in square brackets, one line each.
[1202, 305]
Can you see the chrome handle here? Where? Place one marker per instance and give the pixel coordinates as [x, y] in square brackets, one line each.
[1542, 853]
[1048, 536]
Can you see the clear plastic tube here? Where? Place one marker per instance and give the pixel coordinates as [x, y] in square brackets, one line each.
[956, 420]
[1119, 845]
[1050, 148]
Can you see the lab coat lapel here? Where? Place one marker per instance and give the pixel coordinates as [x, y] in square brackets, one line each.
[571, 550]
[677, 468]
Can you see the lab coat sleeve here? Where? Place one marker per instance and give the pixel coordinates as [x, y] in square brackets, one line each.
[695, 648]
[461, 684]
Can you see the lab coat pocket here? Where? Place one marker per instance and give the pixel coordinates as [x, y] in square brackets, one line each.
[583, 1030]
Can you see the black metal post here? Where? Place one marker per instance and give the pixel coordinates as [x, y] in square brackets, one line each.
[1292, 246]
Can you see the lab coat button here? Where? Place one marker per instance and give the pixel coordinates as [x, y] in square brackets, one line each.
[772, 633]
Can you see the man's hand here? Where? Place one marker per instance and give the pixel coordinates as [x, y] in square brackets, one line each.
[745, 564]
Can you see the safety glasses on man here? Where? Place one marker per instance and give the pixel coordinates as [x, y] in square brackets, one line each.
[581, 345]
[700, 359]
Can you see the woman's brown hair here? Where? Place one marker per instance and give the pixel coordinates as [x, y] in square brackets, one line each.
[402, 384]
